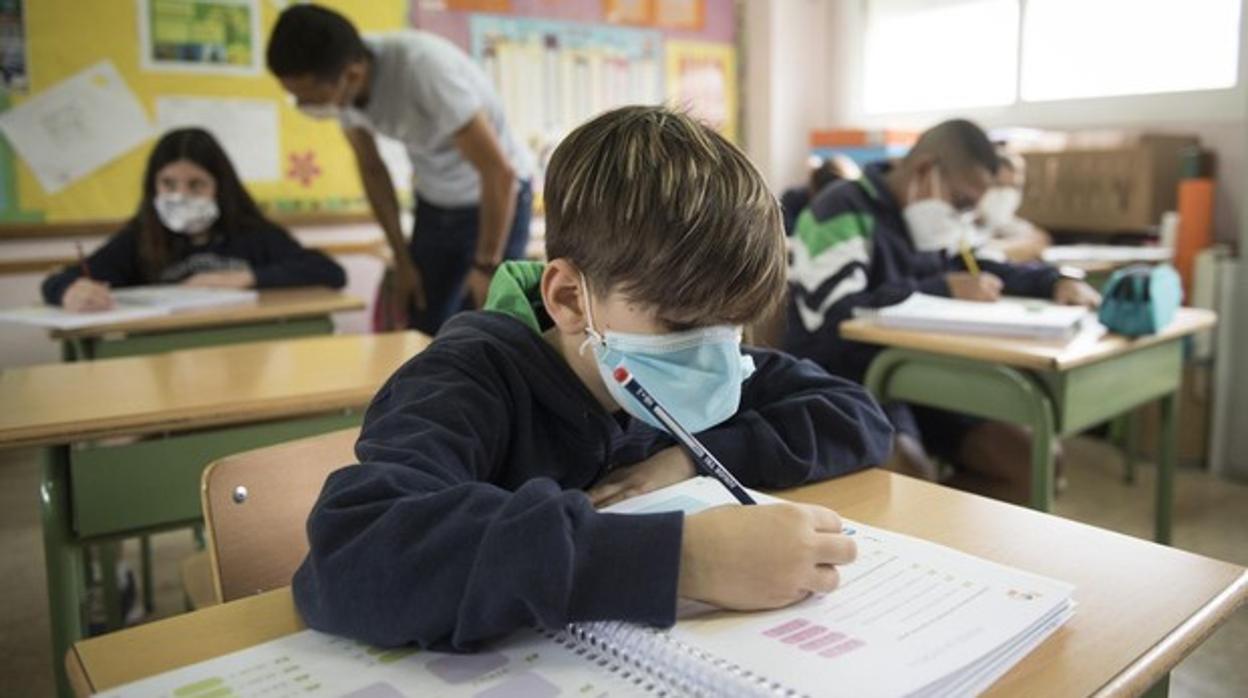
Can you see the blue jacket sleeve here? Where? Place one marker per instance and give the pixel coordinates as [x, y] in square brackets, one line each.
[116, 263]
[415, 545]
[798, 424]
[825, 344]
[1031, 280]
[287, 263]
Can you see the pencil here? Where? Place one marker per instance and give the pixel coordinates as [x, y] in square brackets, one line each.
[82, 262]
[969, 259]
[705, 461]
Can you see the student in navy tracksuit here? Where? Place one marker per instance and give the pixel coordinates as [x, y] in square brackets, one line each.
[484, 460]
[873, 241]
[196, 225]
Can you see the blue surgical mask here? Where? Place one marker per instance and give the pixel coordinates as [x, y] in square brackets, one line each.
[696, 375]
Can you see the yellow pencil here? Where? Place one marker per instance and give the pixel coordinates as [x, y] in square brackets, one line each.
[969, 259]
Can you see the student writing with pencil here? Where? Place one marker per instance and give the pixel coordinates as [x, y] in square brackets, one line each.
[195, 225]
[484, 460]
[900, 229]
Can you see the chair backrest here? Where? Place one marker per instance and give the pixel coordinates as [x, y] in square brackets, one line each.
[256, 505]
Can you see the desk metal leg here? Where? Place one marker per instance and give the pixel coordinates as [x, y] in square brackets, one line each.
[63, 560]
[1131, 424]
[1166, 462]
[1043, 440]
[1161, 689]
[149, 585]
[970, 387]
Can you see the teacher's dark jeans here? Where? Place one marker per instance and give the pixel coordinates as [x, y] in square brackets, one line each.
[443, 244]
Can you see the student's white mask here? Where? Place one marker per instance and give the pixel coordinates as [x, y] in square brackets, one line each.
[999, 205]
[934, 223]
[184, 214]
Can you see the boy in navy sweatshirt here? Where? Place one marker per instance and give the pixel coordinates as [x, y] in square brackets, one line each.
[897, 230]
[484, 460]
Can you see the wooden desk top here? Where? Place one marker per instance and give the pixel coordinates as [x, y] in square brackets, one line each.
[273, 304]
[1142, 607]
[231, 384]
[1024, 353]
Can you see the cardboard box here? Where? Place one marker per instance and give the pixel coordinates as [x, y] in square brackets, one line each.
[1121, 188]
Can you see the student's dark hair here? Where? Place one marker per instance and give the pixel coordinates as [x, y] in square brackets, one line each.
[238, 211]
[312, 40]
[959, 144]
[826, 173]
[660, 207]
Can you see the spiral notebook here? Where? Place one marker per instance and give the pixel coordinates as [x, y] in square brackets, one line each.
[910, 618]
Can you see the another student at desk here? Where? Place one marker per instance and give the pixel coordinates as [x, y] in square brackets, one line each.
[1007, 236]
[196, 225]
[824, 172]
[897, 230]
[473, 510]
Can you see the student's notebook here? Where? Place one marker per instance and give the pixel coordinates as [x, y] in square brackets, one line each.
[132, 303]
[176, 299]
[910, 618]
[1008, 317]
[1115, 254]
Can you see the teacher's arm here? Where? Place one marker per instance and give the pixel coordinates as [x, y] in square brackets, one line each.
[379, 189]
[479, 145]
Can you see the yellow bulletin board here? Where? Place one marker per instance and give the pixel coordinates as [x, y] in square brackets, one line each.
[702, 77]
[66, 37]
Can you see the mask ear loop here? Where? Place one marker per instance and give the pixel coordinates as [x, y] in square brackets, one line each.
[592, 335]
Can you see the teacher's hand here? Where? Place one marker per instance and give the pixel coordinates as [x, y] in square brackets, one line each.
[478, 286]
[409, 287]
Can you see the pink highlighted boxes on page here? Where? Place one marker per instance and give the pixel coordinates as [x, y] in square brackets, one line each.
[812, 637]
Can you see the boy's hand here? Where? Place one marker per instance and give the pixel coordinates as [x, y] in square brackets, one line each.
[222, 279]
[667, 467]
[755, 557]
[970, 287]
[1075, 292]
[86, 295]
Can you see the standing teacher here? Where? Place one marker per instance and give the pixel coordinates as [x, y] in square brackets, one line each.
[473, 198]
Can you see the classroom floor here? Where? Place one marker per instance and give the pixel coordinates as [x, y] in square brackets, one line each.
[1209, 519]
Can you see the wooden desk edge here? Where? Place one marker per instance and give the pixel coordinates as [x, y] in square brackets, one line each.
[79, 682]
[232, 415]
[861, 330]
[1162, 657]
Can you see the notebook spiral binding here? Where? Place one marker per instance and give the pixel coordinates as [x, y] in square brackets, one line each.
[663, 665]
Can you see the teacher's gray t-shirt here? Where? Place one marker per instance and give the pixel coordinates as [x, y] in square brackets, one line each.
[424, 90]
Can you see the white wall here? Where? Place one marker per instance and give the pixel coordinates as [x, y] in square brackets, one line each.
[783, 45]
[1237, 438]
[823, 54]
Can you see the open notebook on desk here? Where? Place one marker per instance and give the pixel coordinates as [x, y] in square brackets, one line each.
[911, 618]
[1114, 254]
[132, 303]
[1008, 317]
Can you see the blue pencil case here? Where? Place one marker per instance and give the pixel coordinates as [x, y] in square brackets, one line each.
[1140, 300]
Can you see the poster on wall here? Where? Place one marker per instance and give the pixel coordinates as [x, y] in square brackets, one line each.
[13, 64]
[554, 75]
[702, 77]
[246, 128]
[495, 6]
[212, 36]
[629, 11]
[680, 14]
[77, 126]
